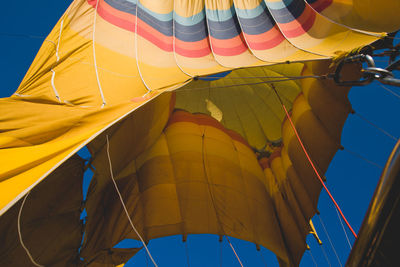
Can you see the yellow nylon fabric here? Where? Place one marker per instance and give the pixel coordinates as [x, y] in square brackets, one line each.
[369, 15]
[93, 77]
[246, 100]
[194, 179]
[201, 176]
[59, 101]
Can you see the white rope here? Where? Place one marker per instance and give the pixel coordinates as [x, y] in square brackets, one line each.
[344, 230]
[20, 234]
[123, 204]
[329, 239]
[94, 55]
[53, 85]
[58, 59]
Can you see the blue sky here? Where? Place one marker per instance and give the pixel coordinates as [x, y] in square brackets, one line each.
[350, 179]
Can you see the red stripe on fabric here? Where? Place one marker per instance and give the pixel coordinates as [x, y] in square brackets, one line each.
[321, 5]
[266, 40]
[299, 26]
[228, 47]
[192, 53]
[129, 18]
[203, 119]
[193, 49]
[228, 43]
[92, 3]
[154, 36]
[127, 22]
[266, 161]
[111, 15]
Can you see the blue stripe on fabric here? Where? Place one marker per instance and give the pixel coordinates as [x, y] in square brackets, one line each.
[191, 33]
[127, 6]
[258, 25]
[290, 13]
[280, 4]
[164, 27]
[220, 15]
[189, 21]
[251, 13]
[224, 29]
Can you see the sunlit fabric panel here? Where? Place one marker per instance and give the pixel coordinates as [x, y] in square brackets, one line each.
[309, 31]
[107, 69]
[197, 178]
[379, 16]
[172, 186]
[105, 58]
[245, 101]
[50, 225]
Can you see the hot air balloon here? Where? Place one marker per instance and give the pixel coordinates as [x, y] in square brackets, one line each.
[201, 117]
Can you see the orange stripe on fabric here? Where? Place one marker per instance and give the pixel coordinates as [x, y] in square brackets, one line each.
[266, 40]
[228, 47]
[125, 21]
[203, 119]
[193, 49]
[266, 161]
[154, 36]
[129, 18]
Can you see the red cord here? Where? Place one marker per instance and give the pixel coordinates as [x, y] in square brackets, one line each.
[316, 172]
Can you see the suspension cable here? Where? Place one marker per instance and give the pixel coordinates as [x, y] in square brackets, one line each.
[311, 163]
[123, 204]
[262, 258]
[187, 253]
[22, 35]
[390, 91]
[220, 252]
[245, 84]
[312, 258]
[325, 255]
[263, 77]
[344, 230]
[329, 239]
[362, 158]
[375, 126]
[213, 201]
